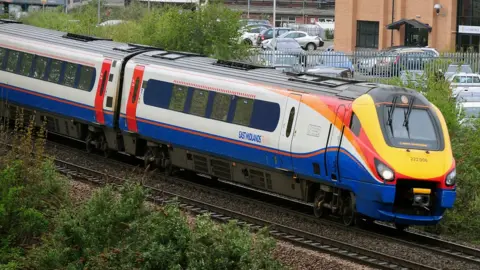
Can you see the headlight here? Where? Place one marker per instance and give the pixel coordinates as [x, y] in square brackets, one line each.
[384, 171]
[451, 177]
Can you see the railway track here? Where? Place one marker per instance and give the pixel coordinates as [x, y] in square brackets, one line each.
[297, 237]
[305, 239]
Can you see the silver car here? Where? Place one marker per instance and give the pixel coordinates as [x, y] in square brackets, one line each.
[304, 39]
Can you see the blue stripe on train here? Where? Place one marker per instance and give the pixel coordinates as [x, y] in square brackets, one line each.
[271, 158]
[51, 104]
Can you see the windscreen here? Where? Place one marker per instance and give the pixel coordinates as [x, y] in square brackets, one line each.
[417, 132]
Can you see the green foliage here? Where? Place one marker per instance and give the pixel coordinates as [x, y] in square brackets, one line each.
[212, 30]
[329, 34]
[30, 193]
[122, 232]
[462, 220]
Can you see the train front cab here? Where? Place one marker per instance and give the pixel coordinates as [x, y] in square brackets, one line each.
[407, 146]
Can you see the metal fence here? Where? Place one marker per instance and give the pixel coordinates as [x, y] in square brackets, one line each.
[367, 65]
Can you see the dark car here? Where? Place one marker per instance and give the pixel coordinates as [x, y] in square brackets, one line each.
[268, 33]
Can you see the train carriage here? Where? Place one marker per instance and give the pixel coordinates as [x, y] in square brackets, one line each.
[72, 79]
[360, 150]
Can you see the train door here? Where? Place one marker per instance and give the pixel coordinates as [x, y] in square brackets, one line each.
[133, 97]
[101, 90]
[285, 162]
[334, 143]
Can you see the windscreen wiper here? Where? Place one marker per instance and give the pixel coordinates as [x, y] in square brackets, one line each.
[407, 115]
[390, 114]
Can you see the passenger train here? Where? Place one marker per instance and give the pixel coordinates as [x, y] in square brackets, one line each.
[362, 151]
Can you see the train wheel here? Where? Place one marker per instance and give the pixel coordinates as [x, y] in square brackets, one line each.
[318, 208]
[147, 158]
[88, 142]
[348, 211]
[168, 168]
[104, 146]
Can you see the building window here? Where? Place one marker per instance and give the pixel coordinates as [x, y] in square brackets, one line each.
[367, 34]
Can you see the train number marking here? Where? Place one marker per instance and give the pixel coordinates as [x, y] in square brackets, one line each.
[416, 159]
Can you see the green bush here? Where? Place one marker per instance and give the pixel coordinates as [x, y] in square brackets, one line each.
[122, 232]
[30, 194]
[212, 30]
[41, 229]
[462, 220]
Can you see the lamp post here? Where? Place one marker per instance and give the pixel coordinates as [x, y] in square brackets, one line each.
[248, 9]
[273, 28]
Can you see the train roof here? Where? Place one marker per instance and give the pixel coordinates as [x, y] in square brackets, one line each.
[106, 47]
[299, 82]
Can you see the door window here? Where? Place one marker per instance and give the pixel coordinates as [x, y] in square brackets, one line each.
[290, 122]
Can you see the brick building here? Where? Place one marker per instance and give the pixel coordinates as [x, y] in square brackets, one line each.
[446, 25]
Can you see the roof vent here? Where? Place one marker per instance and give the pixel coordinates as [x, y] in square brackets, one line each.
[130, 47]
[238, 65]
[83, 37]
[174, 55]
[9, 21]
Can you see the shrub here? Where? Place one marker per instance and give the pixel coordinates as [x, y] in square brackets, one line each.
[122, 232]
[212, 30]
[30, 193]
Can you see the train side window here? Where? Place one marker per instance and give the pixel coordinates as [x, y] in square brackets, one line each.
[86, 75]
[221, 105]
[179, 96]
[243, 111]
[12, 60]
[26, 64]
[265, 116]
[290, 122]
[40, 66]
[55, 69]
[2, 56]
[355, 125]
[199, 102]
[69, 74]
[135, 90]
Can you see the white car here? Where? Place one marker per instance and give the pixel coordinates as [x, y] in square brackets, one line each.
[470, 110]
[305, 40]
[250, 34]
[462, 81]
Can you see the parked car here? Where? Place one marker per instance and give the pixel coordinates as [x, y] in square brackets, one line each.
[305, 40]
[471, 95]
[268, 34]
[287, 53]
[431, 51]
[335, 59]
[460, 92]
[250, 34]
[456, 68]
[470, 110]
[463, 81]
[392, 62]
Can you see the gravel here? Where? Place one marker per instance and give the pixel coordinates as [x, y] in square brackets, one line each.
[369, 242]
[294, 257]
